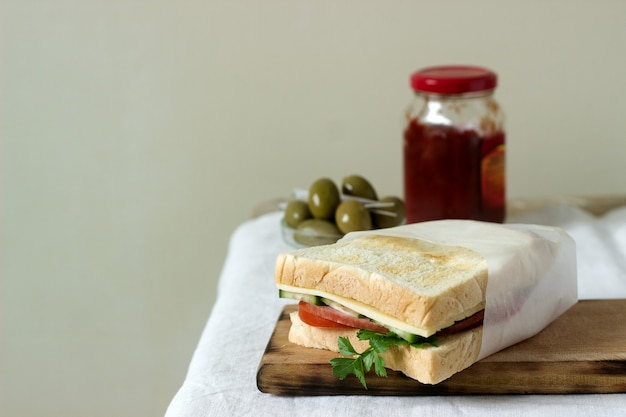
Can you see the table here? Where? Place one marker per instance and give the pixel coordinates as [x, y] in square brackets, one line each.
[221, 380]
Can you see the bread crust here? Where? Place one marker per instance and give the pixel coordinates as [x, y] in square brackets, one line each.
[428, 365]
[426, 285]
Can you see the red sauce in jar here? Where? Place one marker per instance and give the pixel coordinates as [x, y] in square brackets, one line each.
[453, 174]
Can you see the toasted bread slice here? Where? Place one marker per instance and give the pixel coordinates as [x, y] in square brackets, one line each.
[425, 285]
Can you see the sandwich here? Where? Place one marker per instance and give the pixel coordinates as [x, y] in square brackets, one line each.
[427, 299]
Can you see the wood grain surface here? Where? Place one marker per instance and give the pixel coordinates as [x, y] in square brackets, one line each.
[583, 351]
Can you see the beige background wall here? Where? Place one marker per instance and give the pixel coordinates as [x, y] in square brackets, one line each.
[136, 135]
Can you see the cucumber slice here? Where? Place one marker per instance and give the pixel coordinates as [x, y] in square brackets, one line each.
[409, 337]
[311, 299]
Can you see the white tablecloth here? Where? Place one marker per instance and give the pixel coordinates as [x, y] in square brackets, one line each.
[221, 379]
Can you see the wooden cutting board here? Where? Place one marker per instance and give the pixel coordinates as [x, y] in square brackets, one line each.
[583, 351]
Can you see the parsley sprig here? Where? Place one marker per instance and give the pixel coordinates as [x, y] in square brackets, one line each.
[359, 364]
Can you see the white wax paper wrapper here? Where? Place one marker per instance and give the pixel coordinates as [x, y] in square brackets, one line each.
[531, 273]
[600, 246]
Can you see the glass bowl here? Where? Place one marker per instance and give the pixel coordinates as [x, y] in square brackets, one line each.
[304, 238]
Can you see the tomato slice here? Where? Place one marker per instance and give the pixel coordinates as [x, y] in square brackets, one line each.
[316, 321]
[329, 317]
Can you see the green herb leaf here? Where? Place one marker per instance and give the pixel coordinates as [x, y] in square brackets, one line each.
[359, 371]
[379, 366]
[360, 363]
[380, 343]
[366, 334]
[368, 356]
[345, 347]
[342, 367]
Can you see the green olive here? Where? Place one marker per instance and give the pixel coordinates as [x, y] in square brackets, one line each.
[382, 221]
[315, 232]
[296, 212]
[357, 186]
[352, 216]
[323, 198]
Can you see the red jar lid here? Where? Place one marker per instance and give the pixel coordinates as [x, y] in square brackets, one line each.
[453, 79]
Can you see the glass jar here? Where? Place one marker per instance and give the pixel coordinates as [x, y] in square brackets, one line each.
[454, 146]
